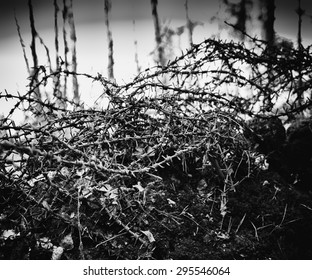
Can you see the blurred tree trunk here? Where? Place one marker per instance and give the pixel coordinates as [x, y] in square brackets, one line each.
[34, 72]
[110, 67]
[242, 18]
[300, 12]
[159, 47]
[70, 47]
[239, 11]
[267, 16]
[56, 33]
[73, 38]
[57, 93]
[136, 55]
[66, 48]
[34, 35]
[189, 25]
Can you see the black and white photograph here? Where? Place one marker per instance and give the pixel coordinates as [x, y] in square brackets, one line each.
[156, 130]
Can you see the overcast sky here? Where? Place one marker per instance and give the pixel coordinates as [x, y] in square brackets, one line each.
[91, 33]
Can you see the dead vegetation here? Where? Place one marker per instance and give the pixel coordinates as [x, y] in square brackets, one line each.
[164, 170]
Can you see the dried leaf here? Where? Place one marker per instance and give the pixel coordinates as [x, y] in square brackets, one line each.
[149, 235]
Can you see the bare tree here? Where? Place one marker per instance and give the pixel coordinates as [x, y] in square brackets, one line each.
[34, 72]
[159, 47]
[70, 46]
[56, 33]
[239, 11]
[267, 17]
[73, 38]
[242, 17]
[57, 79]
[300, 12]
[110, 67]
[66, 48]
[190, 25]
[34, 34]
[136, 55]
